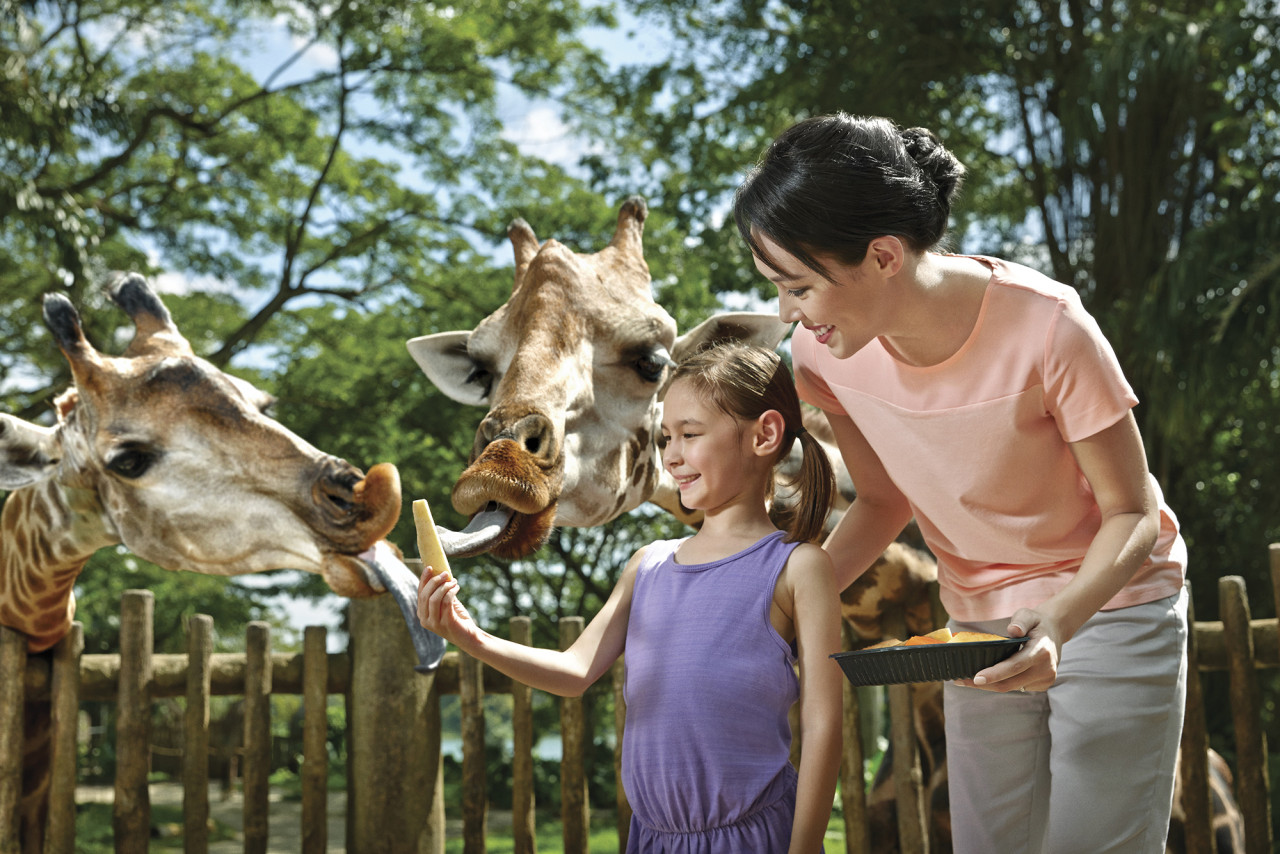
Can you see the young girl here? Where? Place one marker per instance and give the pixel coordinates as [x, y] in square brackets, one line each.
[981, 398]
[713, 627]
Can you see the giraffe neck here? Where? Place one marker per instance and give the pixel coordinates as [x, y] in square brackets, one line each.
[47, 534]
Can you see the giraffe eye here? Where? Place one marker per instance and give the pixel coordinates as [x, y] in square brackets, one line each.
[481, 377]
[651, 365]
[131, 463]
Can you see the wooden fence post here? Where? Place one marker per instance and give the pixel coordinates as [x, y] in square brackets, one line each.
[195, 737]
[131, 813]
[13, 667]
[574, 808]
[475, 796]
[391, 774]
[257, 736]
[523, 802]
[64, 695]
[1252, 787]
[315, 740]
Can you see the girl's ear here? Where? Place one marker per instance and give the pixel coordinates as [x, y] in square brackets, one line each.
[770, 430]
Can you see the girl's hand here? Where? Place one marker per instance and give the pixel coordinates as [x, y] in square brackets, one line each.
[1032, 668]
[439, 610]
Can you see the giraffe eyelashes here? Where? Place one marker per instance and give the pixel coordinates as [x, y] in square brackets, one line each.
[131, 463]
[651, 366]
[480, 377]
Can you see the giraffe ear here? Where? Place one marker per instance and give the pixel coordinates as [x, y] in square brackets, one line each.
[752, 327]
[443, 358]
[28, 452]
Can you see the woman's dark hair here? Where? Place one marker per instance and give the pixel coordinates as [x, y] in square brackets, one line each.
[746, 381]
[829, 185]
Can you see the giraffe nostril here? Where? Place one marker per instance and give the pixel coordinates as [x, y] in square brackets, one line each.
[341, 503]
[335, 488]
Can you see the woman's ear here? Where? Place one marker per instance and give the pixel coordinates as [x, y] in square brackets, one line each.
[886, 255]
[770, 430]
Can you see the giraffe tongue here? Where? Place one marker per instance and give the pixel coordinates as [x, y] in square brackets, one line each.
[402, 584]
[485, 528]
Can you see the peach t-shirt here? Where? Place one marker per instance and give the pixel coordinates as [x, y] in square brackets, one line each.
[978, 444]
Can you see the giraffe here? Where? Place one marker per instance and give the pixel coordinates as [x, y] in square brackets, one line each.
[572, 369]
[160, 451]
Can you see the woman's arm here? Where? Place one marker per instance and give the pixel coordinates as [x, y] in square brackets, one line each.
[566, 674]
[816, 612]
[877, 515]
[1115, 464]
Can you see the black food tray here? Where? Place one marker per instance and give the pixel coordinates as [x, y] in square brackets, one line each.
[926, 662]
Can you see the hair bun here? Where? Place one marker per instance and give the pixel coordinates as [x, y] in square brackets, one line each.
[940, 165]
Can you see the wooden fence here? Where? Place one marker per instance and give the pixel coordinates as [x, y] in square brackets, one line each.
[395, 789]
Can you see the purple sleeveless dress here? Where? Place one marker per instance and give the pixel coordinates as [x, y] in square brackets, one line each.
[709, 682]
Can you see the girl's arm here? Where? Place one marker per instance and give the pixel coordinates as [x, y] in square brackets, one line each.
[568, 673]
[1115, 464]
[816, 612]
[877, 515]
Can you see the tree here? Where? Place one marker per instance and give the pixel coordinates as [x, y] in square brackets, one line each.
[356, 150]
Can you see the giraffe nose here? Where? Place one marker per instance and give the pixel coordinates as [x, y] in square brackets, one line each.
[532, 432]
[334, 489]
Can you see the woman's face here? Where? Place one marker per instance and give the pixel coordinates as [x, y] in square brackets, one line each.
[843, 317]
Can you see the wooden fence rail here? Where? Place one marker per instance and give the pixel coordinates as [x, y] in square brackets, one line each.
[395, 790]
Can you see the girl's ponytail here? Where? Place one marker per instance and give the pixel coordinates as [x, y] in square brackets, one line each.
[814, 489]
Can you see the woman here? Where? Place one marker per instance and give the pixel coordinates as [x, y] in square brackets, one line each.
[978, 397]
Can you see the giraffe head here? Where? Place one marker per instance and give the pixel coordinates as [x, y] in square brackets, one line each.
[162, 452]
[572, 369]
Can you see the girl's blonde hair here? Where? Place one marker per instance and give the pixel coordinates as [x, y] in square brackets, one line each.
[744, 382]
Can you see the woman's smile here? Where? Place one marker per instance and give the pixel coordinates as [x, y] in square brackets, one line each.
[821, 332]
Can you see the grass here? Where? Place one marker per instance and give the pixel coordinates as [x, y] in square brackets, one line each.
[603, 838]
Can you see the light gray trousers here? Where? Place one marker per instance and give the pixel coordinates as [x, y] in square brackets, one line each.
[1086, 767]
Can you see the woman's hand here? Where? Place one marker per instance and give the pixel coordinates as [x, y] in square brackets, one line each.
[1032, 668]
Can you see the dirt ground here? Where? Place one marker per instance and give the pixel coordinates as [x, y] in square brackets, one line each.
[284, 835]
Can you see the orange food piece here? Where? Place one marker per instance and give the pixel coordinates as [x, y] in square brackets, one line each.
[974, 637]
[940, 636]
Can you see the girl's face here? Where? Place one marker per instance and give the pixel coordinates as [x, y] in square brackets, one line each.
[706, 450]
[844, 317]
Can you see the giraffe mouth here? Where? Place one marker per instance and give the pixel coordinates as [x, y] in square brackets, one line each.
[501, 531]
